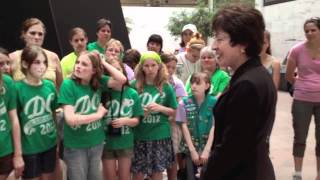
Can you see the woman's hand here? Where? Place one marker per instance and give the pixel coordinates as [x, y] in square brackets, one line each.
[18, 165]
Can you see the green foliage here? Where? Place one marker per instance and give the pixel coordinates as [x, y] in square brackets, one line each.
[201, 16]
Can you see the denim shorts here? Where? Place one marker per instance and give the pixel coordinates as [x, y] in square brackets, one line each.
[84, 163]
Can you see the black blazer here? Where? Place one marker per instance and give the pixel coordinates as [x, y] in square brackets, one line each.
[244, 117]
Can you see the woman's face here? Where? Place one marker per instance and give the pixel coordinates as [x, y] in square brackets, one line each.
[153, 46]
[83, 68]
[5, 64]
[150, 68]
[186, 36]
[79, 42]
[208, 62]
[113, 51]
[34, 35]
[311, 31]
[104, 33]
[227, 55]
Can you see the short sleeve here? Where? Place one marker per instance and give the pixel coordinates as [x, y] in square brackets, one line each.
[11, 93]
[66, 95]
[137, 107]
[171, 97]
[104, 83]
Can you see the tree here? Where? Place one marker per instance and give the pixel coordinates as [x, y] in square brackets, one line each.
[201, 16]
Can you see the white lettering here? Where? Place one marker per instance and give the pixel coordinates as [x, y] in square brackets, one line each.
[3, 125]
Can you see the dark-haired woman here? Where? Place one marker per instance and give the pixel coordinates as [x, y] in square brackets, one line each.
[245, 112]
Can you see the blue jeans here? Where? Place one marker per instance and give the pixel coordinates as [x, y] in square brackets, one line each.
[84, 164]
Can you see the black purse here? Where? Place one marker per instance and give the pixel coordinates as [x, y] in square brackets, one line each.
[108, 97]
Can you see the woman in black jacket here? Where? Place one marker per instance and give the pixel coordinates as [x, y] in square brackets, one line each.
[245, 112]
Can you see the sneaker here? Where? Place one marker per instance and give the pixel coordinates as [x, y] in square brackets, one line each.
[296, 177]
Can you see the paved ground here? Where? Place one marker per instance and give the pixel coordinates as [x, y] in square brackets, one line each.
[281, 143]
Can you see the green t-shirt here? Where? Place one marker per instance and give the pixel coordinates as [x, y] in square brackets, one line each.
[67, 64]
[7, 103]
[199, 120]
[219, 81]
[95, 46]
[130, 107]
[85, 101]
[36, 105]
[156, 125]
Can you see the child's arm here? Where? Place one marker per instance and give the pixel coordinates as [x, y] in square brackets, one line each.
[117, 123]
[163, 109]
[74, 119]
[187, 137]
[117, 78]
[206, 151]
[16, 134]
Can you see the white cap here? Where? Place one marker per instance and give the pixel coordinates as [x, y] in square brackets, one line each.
[191, 27]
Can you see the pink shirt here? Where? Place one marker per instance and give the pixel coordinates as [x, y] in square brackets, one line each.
[307, 85]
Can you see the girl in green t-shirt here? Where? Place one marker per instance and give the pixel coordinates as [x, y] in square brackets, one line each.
[124, 112]
[195, 116]
[153, 151]
[83, 130]
[36, 104]
[10, 144]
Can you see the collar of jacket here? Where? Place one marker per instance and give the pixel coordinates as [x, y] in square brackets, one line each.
[249, 64]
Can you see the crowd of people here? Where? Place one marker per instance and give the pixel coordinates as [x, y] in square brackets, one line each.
[203, 111]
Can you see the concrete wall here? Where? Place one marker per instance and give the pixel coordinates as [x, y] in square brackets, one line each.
[285, 22]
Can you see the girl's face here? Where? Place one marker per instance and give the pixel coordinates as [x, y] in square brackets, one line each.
[311, 31]
[208, 62]
[34, 35]
[104, 33]
[5, 64]
[38, 67]
[83, 68]
[186, 36]
[150, 68]
[227, 55]
[171, 66]
[193, 55]
[199, 87]
[79, 42]
[153, 46]
[113, 51]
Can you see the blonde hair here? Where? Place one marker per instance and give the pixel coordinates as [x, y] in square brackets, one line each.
[115, 42]
[161, 78]
[196, 42]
